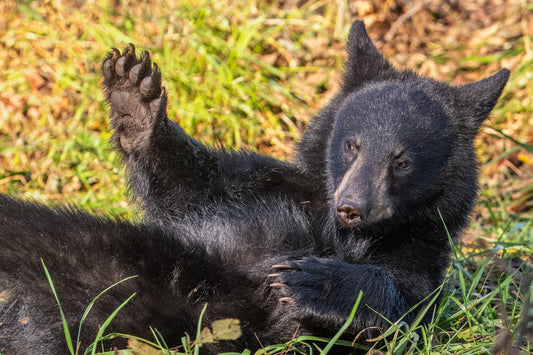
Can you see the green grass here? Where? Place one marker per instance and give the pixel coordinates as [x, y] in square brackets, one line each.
[250, 75]
[221, 90]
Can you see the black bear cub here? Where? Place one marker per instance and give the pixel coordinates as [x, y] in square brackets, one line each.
[382, 174]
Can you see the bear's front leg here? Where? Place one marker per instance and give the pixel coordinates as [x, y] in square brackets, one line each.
[169, 171]
[172, 174]
[320, 293]
[136, 98]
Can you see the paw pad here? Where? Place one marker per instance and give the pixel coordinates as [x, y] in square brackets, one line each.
[135, 96]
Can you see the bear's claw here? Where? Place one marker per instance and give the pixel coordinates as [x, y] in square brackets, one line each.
[286, 300]
[277, 285]
[126, 61]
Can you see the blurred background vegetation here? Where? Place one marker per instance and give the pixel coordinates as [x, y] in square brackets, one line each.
[250, 75]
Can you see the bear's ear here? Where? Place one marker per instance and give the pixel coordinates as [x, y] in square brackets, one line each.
[364, 63]
[476, 100]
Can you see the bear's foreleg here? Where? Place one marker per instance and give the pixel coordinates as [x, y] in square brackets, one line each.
[164, 163]
[170, 172]
[321, 292]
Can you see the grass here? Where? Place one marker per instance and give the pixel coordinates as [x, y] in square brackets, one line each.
[250, 75]
[73, 346]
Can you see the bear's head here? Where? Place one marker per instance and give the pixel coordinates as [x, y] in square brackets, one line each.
[402, 145]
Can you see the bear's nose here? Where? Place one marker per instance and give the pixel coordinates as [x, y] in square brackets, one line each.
[350, 214]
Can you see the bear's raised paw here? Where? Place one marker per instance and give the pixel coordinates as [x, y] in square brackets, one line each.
[135, 96]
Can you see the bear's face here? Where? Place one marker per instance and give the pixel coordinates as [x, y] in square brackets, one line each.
[390, 144]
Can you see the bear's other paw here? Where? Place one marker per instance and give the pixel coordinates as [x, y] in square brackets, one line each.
[321, 292]
[313, 289]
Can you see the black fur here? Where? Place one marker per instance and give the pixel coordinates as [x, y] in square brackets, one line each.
[358, 210]
[176, 275]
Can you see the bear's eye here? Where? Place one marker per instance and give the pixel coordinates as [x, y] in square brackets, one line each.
[403, 163]
[351, 146]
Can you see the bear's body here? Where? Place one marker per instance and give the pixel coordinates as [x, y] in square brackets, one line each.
[378, 173]
[176, 275]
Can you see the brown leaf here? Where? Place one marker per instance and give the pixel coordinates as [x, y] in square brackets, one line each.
[35, 81]
[206, 337]
[139, 348]
[227, 329]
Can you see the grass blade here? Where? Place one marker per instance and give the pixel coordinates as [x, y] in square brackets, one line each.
[344, 326]
[63, 319]
[90, 306]
[199, 330]
[106, 324]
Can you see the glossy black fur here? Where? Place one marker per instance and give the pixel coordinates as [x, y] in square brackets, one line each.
[176, 275]
[357, 210]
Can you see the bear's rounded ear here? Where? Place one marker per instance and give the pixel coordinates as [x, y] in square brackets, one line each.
[476, 100]
[364, 63]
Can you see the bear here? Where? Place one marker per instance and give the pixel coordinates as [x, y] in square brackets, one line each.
[394, 189]
[383, 176]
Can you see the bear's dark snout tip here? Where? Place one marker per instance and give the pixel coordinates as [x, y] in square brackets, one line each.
[349, 214]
